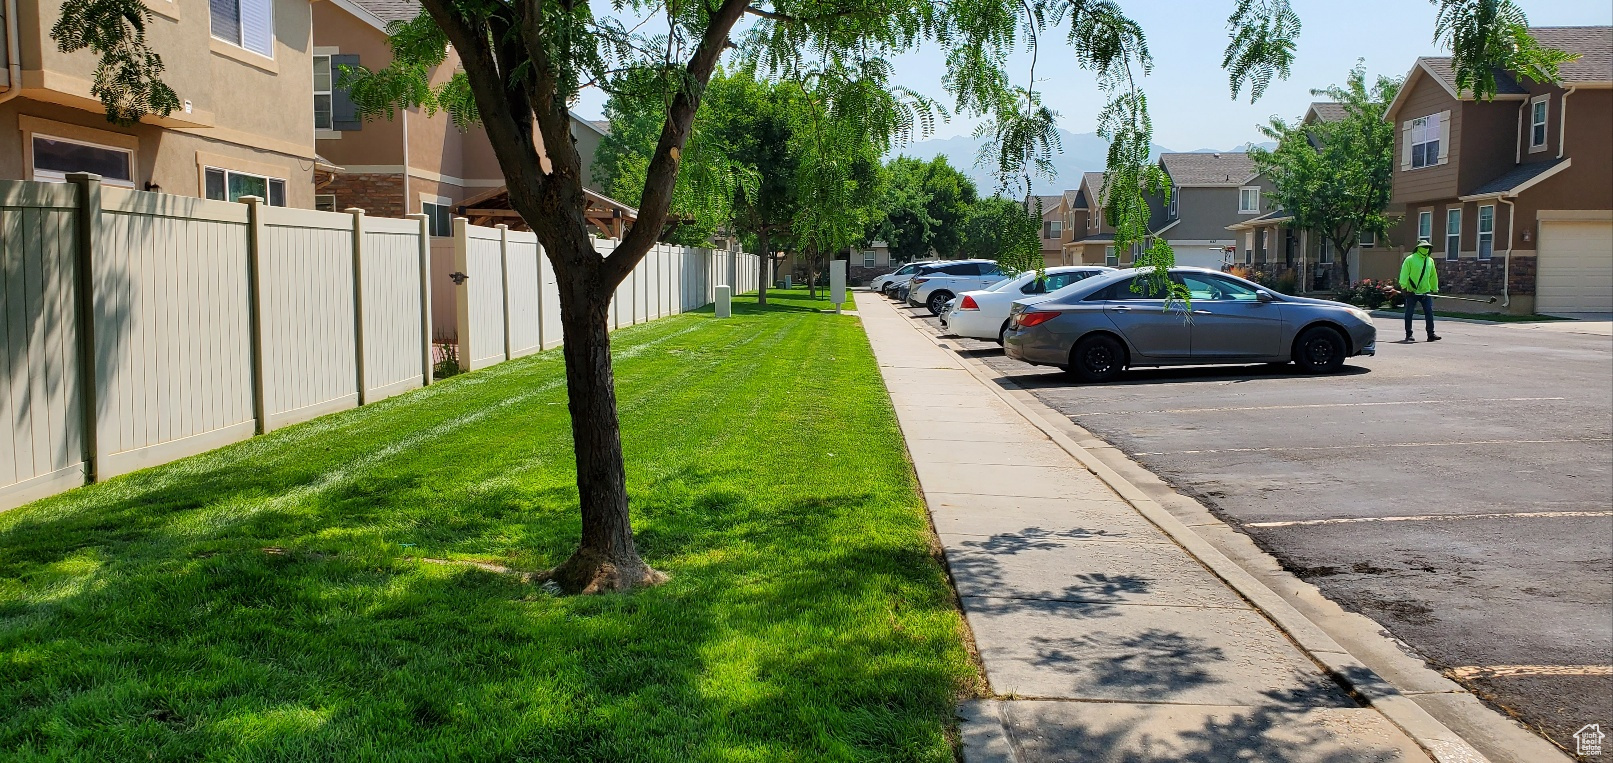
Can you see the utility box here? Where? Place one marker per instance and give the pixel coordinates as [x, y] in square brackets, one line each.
[787, 278]
[725, 301]
[837, 283]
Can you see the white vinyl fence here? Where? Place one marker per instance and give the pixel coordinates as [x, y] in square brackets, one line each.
[137, 328]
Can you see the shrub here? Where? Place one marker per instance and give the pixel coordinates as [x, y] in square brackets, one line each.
[1368, 293]
[447, 355]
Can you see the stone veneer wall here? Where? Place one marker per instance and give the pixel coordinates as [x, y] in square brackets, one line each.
[378, 194]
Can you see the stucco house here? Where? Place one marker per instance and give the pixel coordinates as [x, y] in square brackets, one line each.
[225, 59]
[1209, 191]
[414, 163]
[1513, 193]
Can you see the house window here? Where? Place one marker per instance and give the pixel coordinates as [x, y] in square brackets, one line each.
[55, 157]
[1248, 256]
[1109, 257]
[322, 102]
[1248, 200]
[868, 258]
[1055, 229]
[1425, 141]
[439, 222]
[1486, 232]
[1176, 205]
[229, 185]
[1367, 239]
[1325, 255]
[1539, 110]
[325, 202]
[1453, 233]
[246, 23]
[1425, 226]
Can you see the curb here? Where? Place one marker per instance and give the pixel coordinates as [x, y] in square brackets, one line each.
[1442, 744]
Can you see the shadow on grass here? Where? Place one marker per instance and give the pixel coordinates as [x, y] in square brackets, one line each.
[264, 601]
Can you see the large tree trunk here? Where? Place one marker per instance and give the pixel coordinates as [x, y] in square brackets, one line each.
[607, 559]
[762, 265]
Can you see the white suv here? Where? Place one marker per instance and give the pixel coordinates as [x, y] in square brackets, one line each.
[888, 283]
[935, 285]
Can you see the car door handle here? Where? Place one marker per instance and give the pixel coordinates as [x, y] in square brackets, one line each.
[1121, 309]
[1202, 312]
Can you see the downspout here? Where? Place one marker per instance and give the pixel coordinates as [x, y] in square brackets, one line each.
[406, 163]
[1562, 123]
[1517, 143]
[13, 58]
[1506, 262]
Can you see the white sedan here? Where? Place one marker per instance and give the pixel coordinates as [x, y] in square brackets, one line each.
[984, 314]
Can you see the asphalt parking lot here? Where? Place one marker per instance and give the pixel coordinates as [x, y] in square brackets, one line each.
[1458, 493]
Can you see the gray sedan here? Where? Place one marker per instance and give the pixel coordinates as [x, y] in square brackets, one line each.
[1100, 326]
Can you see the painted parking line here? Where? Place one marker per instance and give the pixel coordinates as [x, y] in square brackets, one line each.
[1434, 518]
[1323, 405]
[1502, 671]
[1373, 445]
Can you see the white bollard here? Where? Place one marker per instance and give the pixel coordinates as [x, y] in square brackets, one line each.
[725, 301]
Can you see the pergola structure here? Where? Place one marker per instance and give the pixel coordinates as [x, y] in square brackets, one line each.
[492, 207]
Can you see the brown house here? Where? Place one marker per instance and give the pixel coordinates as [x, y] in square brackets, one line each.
[1514, 193]
[414, 162]
[241, 69]
[1092, 242]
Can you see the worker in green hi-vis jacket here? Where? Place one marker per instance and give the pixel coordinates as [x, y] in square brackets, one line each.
[1419, 280]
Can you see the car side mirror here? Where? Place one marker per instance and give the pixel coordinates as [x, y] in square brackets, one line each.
[1263, 295]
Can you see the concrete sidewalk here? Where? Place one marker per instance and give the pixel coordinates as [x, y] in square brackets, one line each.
[1102, 637]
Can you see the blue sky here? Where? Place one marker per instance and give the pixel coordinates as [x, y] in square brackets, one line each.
[1188, 92]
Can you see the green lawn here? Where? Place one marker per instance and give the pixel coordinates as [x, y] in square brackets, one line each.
[263, 602]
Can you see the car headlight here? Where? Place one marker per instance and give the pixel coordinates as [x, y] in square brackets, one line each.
[1365, 316]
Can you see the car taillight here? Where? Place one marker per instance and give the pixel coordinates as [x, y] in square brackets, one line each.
[917, 281]
[968, 303]
[1036, 318]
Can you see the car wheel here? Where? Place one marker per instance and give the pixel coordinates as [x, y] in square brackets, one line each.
[1098, 358]
[1002, 333]
[886, 290]
[938, 302]
[1319, 350]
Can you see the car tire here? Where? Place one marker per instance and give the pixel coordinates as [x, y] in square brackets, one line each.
[1319, 350]
[887, 290]
[938, 302]
[1097, 359]
[1002, 333]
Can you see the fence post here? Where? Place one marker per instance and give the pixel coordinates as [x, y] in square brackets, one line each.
[504, 280]
[425, 298]
[358, 299]
[87, 222]
[254, 307]
[462, 294]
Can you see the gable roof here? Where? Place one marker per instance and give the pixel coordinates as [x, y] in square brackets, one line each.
[1594, 44]
[1225, 169]
[1326, 111]
[1443, 70]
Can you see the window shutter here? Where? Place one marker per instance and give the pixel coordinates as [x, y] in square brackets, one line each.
[257, 26]
[1405, 145]
[226, 19]
[1444, 137]
[343, 114]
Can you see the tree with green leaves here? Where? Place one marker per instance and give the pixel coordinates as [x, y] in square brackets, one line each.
[522, 63]
[996, 226]
[1335, 177]
[926, 204]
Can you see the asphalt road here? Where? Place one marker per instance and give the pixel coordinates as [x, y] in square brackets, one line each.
[1418, 448]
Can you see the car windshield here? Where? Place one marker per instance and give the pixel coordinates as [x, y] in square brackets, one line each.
[905, 270]
[1009, 282]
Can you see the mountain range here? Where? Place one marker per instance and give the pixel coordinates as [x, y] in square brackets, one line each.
[1083, 152]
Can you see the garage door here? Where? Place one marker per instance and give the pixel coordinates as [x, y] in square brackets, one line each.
[1575, 269]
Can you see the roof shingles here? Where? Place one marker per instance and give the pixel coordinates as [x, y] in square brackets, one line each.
[1214, 169]
[391, 10]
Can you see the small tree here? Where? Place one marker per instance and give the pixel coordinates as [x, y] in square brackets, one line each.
[996, 226]
[1335, 177]
[926, 204]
